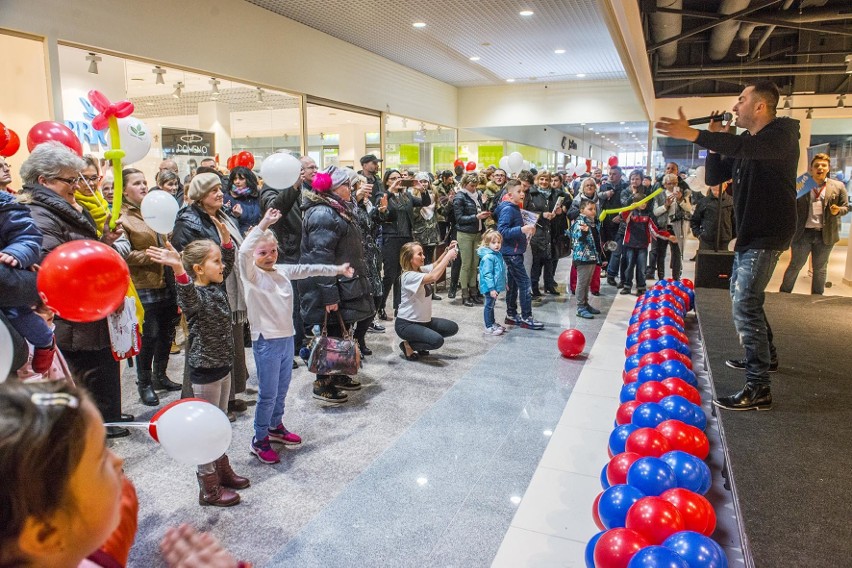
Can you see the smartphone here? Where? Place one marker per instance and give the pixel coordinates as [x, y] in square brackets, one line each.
[408, 182]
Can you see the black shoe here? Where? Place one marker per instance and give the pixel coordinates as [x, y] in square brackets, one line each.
[536, 293]
[117, 432]
[752, 397]
[126, 418]
[624, 291]
[611, 281]
[295, 365]
[741, 365]
[640, 291]
[553, 292]
[436, 297]
[347, 383]
[237, 405]
[408, 352]
[451, 294]
[423, 353]
[478, 300]
[376, 328]
[383, 315]
[594, 293]
[162, 383]
[468, 303]
[365, 350]
[329, 393]
[146, 389]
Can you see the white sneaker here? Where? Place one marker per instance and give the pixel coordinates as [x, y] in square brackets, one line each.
[493, 330]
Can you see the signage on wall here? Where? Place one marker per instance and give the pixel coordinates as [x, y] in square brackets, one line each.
[179, 141]
[83, 128]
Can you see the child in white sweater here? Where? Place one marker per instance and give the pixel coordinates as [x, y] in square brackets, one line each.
[269, 298]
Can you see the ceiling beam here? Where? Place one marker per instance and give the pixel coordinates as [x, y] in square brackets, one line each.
[788, 68]
[743, 16]
[718, 19]
[745, 74]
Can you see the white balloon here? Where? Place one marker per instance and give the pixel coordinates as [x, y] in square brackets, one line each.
[159, 210]
[579, 169]
[697, 182]
[135, 139]
[516, 161]
[280, 170]
[194, 432]
[504, 163]
[526, 165]
[6, 352]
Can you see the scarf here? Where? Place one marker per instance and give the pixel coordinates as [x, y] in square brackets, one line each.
[343, 208]
[237, 192]
[233, 283]
[97, 207]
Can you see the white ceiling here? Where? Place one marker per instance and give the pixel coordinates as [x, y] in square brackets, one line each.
[510, 46]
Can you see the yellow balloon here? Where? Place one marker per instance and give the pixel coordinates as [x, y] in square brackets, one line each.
[630, 207]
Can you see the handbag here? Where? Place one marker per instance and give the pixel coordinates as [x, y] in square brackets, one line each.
[334, 355]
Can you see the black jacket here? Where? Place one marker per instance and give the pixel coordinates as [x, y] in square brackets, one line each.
[288, 229]
[193, 224]
[398, 220]
[465, 210]
[330, 238]
[609, 226]
[763, 169]
[705, 219]
[539, 201]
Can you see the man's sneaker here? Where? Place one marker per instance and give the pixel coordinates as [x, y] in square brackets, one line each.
[611, 281]
[741, 365]
[511, 320]
[501, 327]
[585, 313]
[345, 382]
[330, 394]
[530, 323]
[284, 436]
[376, 328]
[640, 291]
[592, 310]
[493, 330]
[624, 291]
[263, 450]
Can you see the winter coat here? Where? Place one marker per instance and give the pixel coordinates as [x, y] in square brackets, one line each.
[492, 270]
[19, 235]
[640, 229]
[425, 230]
[398, 220]
[250, 204]
[465, 209]
[763, 169]
[610, 226]
[539, 201]
[367, 217]
[145, 272]
[288, 229]
[705, 220]
[442, 194]
[332, 237]
[587, 247]
[509, 223]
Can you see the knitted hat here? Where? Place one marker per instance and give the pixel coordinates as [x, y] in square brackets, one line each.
[202, 184]
[422, 176]
[329, 180]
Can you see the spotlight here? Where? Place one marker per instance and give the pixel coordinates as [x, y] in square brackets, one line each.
[848, 61]
[841, 101]
[159, 72]
[810, 113]
[259, 95]
[214, 87]
[93, 63]
[787, 103]
[178, 89]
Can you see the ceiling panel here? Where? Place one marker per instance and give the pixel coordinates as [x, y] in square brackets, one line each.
[509, 46]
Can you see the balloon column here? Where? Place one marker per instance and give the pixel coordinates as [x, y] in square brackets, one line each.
[652, 511]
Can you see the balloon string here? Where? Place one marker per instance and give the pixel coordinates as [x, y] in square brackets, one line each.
[142, 425]
[631, 207]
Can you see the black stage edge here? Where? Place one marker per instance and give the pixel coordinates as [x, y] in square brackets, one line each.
[790, 467]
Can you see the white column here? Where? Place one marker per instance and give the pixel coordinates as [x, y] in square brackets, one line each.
[216, 117]
[353, 144]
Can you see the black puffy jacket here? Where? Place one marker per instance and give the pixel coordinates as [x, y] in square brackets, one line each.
[288, 229]
[465, 210]
[330, 238]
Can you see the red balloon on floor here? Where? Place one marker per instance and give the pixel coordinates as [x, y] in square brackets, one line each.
[682, 388]
[647, 442]
[83, 280]
[652, 391]
[624, 414]
[654, 518]
[616, 547]
[571, 342]
[616, 471]
[595, 516]
[697, 512]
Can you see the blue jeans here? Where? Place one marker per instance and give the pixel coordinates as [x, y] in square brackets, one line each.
[636, 259]
[812, 244]
[30, 325]
[489, 309]
[749, 277]
[517, 284]
[274, 361]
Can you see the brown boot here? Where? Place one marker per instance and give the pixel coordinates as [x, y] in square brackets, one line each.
[211, 493]
[227, 477]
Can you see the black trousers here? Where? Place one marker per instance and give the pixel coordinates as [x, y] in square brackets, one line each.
[158, 332]
[425, 336]
[391, 247]
[100, 373]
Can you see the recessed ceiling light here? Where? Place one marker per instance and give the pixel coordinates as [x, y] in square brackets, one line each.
[582, 124]
[419, 24]
[559, 51]
[622, 122]
[526, 13]
[580, 75]
[475, 58]
[510, 80]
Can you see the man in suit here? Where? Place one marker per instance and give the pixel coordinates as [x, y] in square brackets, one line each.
[817, 226]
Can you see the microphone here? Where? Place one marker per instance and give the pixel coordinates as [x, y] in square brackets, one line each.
[727, 117]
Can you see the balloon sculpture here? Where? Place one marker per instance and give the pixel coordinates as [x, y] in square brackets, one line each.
[630, 207]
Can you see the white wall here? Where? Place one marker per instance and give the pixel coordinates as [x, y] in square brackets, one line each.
[273, 51]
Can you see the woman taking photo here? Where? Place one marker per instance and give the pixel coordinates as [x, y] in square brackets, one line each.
[425, 221]
[155, 286]
[419, 331]
[330, 235]
[242, 200]
[470, 220]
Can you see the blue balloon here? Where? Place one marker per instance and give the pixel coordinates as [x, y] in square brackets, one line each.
[651, 476]
[649, 324]
[678, 408]
[654, 293]
[649, 415]
[651, 373]
[614, 504]
[651, 305]
[697, 549]
[649, 346]
[628, 392]
[667, 320]
[699, 420]
[590, 550]
[604, 480]
[670, 342]
[707, 482]
[675, 368]
[673, 306]
[632, 339]
[655, 556]
[633, 319]
[618, 437]
[691, 473]
[632, 362]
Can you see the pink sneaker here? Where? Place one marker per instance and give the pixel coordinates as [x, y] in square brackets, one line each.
[284, 436]
[263, 450]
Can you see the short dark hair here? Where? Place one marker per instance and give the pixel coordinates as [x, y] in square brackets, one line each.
[821, 157]
[615, 169]
[527, 176]
[768, 92]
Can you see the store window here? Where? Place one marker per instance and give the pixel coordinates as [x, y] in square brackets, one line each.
[417, 145]
[339, 137]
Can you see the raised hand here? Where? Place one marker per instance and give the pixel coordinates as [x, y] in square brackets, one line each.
[678, 128]
[346, 270]
[110, 236]
[528, 230]
[166, 256]
[271, 217]
[224, 235]
[719, 125]
[237, 210]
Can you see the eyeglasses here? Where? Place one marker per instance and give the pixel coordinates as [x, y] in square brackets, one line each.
[69, 181]
[91, 179]
[310, 168]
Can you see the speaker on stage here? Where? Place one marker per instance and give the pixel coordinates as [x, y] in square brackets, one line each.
[713, 268]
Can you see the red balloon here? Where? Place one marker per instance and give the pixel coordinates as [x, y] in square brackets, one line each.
[595, 516]
[612, 161]
[616, 471]
[650, 359]
[649, 315]
[83, 280]
[702, 444]
[647, 442]
[12, 145]
[632, 350]
[689, 283]
[682, 388]
[4, 135]
[624, 414]
[654, 518]
[652, 391]
[244, 159]
[571, 342]
[616, 547]
[458, 163]
[631, 376]
[649, 334]
[678, 436]
[49, 130]
[470, 166]
[696, 511]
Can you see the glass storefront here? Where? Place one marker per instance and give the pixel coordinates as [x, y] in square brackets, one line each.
[419, 146]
